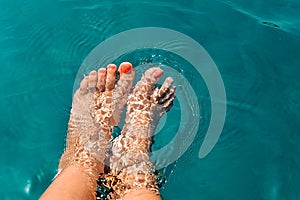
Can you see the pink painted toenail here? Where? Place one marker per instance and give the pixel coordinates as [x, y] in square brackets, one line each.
[126, 68]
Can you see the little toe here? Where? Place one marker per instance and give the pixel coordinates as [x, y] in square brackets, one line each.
[101, 79]
[84, 85]
[166, 91]
[169, 103]
[111, 77]
[93, 78]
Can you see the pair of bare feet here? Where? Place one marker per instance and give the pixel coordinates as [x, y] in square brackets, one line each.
[96, 108]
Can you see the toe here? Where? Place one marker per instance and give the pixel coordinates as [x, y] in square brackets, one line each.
[166, 94]
[122, 90]
[169, 103]
[125, 81]
[93, 77]
[166, 90]
[168, 83]
[101, 79]
[169, 94]
[125, 68]
[127, 75]
[146, 85]
[152, 75]
[111, 77]
[84, 85]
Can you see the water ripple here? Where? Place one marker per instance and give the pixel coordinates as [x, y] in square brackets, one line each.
[273, 14]
[39, 40]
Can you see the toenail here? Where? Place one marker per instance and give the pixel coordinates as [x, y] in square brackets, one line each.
[93, 73]
[169, 80]
[126, 68]
[102, 71]
[111, 66]
[157, 73]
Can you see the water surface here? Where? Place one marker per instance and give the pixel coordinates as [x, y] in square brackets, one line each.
[255, 44]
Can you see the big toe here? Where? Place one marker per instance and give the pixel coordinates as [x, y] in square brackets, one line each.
[125, 81]
[122, 90]
[152, 75]
[125, 68]
[145, 86]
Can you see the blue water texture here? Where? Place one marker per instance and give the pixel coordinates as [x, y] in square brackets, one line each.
[255, 45]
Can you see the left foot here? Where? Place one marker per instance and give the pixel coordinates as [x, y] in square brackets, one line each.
[96, 107]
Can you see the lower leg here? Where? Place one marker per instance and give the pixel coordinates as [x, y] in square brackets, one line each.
[141, 194]
[72, 183]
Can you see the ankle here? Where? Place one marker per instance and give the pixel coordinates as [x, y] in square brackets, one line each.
[89, 165]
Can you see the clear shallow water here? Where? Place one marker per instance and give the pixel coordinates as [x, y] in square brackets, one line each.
[42, 45]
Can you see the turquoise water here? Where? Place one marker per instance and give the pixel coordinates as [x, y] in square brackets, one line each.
[255, 44]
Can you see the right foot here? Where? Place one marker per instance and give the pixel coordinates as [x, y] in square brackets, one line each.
[96, 107]
[130, 161]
